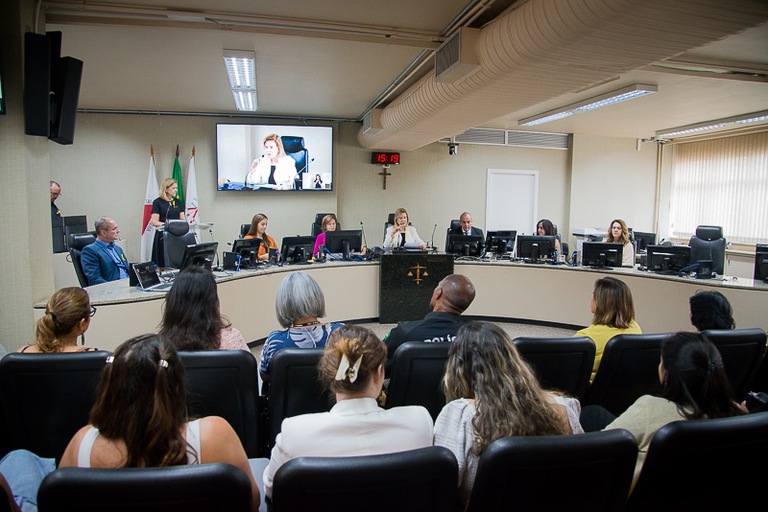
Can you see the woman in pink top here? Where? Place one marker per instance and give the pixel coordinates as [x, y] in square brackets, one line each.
[330, 223]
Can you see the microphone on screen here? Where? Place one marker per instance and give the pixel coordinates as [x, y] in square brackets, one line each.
[432, 242]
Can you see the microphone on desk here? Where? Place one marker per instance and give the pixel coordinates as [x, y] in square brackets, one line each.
[432, 242]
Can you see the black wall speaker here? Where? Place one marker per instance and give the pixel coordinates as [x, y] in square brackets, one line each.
[37, 84]
[65, 92]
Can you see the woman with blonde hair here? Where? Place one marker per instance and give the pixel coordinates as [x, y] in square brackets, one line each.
[67, 316]
[274, 167]
[329, 223]
[164, 208]
[618, 232]
[258, 230]
[492, 393]
[402, 234]
[352, 367]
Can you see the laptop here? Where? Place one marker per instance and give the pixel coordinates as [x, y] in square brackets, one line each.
[149, 280]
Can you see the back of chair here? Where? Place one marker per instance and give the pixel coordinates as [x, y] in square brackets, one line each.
[244, 229]
[455, 224]
[708, 244]
[742, 352]
[225, 383]
[193, 488]
[294, 387]
[417, 376]
[294, 147]
[77, 243]
[420, 480]
[709, 464]
[627, 371]
[176, 238]
[46, 398]
[589, 472]
[563, 364]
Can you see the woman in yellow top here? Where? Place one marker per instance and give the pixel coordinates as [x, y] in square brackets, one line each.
[613, 312]
[259, 230]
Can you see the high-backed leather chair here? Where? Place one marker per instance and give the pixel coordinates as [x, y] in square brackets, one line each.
[225, 383]
[294, 147]
[46, 398]
[455, 224]
[176, 237]
[422, 480]
[742, 353]
[628, 370]
[190, 488]
[534, 473]
[708, 244]
[76, 244]
[563, 364]
[709, 464]
[294, 387]
[244, 229]
[416, 376]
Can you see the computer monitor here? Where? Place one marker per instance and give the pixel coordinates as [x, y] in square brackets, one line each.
[464, 245]
[344, 241]
[602, 254]
[643, 240]
[201, 254]
[297, 249]
[761, 262]
[244, 246]
[668, 258]
[533, 248]
[500, 242]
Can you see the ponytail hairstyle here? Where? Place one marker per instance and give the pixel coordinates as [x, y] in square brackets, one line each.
[142, 401]
[352, 356]
[63, 313]
[694, 377]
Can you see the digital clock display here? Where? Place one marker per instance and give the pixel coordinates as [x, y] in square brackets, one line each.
[385, 158]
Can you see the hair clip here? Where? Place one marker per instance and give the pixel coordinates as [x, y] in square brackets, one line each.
[163, 363]
[110, 359]
[345, 370]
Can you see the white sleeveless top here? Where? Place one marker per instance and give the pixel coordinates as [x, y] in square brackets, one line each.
[193, 445]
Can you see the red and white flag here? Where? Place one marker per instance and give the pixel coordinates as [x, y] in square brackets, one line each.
[147, 229]
[191, 210]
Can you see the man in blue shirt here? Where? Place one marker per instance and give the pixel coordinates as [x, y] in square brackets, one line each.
[102, 260]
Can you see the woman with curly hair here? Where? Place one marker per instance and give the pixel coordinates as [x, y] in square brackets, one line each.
[67, 316]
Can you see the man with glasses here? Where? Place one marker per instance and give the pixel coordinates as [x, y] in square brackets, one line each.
[103, 260]
[56, 221]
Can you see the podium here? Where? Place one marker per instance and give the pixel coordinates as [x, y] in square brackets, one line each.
[407, 280]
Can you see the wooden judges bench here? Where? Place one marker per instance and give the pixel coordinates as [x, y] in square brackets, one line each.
[513, 291]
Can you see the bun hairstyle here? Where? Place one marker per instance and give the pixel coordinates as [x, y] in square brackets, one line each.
[64, 310]
[351, 343]
[141, 400]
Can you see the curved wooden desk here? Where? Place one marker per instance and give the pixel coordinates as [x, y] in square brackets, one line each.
[505, 290]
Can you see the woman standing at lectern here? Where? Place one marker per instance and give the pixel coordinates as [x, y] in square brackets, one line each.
[164, 208]
[402, 234]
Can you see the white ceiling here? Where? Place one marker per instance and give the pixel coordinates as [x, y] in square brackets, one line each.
[335, 59]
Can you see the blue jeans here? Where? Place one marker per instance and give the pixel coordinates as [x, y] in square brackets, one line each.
[24, 471]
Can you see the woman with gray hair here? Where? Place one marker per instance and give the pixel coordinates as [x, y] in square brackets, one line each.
[299, 305]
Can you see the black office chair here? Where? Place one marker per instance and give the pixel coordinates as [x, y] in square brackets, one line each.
[742, 353]
[176, 237]
[244, 229]
[294, 387]
[563, 364]
[455, 224]
[420, 480]
[190, 488]
[708, 244]
[225, 383]
[294, 147]
[76, 244]
[710, 464]
[416, 376]
[46, 398]
[628, 370]
[534, 473]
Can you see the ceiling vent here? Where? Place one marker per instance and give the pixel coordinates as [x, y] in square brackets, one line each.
[372, 121]
[516, 138]
[456, 58]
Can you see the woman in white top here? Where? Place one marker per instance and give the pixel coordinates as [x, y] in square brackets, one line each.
[140, 417]
[401, 234]
[492, 393]
[352, 367]
[274, 167]
[618, 232]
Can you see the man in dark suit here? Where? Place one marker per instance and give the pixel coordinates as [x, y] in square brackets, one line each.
[57, 222]
[466, 228]
[102, 260]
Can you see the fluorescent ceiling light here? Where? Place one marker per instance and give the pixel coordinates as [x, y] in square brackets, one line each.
[623, 94]
[241, 69]
[754, 117]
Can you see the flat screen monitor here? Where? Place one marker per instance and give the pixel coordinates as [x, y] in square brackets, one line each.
[201, 254]
[500, 242]
[297, 249]
[761, 262]
[242, 163]
[244, 246]
[602, 254]
[668, 258]
[534, 248]
[643, 240]
[344, 241]
[464, 245]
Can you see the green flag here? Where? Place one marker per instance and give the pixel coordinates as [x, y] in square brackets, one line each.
[177, 177]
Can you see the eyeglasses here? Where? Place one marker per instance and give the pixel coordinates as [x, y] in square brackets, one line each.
[93, 310]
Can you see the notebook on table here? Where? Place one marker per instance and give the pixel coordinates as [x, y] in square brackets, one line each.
[149, 280]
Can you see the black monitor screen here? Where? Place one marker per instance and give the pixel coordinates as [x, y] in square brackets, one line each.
[643, 240]
[534, 247]
[244, 246]
[761, 262]
[500, 242]
[201, 254]
[602, 254]
[668, 258]
[344, 241]
[297, 249]
[464, 245]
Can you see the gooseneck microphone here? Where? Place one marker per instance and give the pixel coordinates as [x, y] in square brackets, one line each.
[365, 241]
[432, 242]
